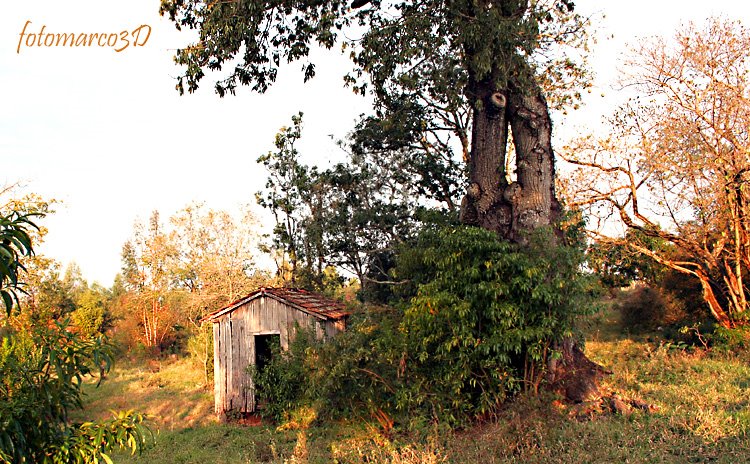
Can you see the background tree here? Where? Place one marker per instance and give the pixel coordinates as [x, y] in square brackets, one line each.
[677, 165]
[216, 255]
[175, 274]
[353, 216]
[147, 264]
[617, 266]
[216, 266]
[295, 200]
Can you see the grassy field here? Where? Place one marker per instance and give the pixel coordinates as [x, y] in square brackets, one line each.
[701, 400]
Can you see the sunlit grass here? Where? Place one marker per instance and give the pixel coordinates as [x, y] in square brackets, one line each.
[170, 392]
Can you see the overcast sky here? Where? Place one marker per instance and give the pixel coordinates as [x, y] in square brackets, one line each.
[107, 135]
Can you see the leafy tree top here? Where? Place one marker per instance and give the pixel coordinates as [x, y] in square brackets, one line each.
[420, 48]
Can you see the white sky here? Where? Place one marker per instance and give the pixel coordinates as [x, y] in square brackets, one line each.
[107, 134]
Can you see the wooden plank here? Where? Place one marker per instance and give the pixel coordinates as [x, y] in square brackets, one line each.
[223, 328]
[236, 371]
[273, 316]
[285, 316]
[224, 366]
[270, 309]
[242, 366]
[330, 329]
[218, 397]
[228, 366]
[251, 385]
[246, 380]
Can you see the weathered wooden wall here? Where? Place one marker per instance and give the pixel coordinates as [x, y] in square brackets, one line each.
[234, 346]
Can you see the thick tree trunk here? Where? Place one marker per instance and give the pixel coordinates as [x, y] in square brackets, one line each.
[517, 208]
[484, 204]
[534, 201]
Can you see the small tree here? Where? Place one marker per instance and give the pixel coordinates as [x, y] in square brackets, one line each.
[676, 167]
[42, 366]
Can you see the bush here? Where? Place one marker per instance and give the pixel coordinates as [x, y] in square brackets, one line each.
[200, 347]
[643, 307]
[281, 386]
[687, 290]
[356, 372]
[734, 340]
[485, 319]
[479, 324]
[41, 374]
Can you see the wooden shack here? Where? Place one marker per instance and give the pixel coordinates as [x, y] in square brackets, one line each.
[246, 330]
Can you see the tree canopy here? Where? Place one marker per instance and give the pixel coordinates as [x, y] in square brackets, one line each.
[676, 167]
[446, 77]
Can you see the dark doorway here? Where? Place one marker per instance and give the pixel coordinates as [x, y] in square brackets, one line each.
[265, 345]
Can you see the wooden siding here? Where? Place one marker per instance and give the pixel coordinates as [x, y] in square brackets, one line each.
[234, 346]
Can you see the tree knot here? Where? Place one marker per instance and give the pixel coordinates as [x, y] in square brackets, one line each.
[498, 100]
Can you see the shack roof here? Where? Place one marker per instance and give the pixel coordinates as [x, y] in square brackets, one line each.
[308, 302]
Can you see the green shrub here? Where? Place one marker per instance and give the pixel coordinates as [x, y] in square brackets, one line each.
[483, 322]
[734, 340]
[354, 373]
[478, 325]
[200, 347]
[281, 385]
[41, 373]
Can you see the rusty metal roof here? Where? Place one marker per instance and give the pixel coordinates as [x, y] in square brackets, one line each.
[311, 303]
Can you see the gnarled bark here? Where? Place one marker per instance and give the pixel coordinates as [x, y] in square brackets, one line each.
[517, 208]
[535, 204]
[484, 204]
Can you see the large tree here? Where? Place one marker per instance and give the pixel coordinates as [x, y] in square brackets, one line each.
[456, 73]
[677, 164]
[470, 77]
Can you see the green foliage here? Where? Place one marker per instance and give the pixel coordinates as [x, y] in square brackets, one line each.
[355, 373]
[478, 326]
[736, 339]
[486, 313]
[415, 49]
[617, 265]
[91, 316]
[281, 384]
[351, 216]
[94, 442]
[295, 197]
[41, 373]
[200, 347]
[15, 243]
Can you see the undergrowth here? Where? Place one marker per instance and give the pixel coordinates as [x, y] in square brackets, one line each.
[702, 414]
